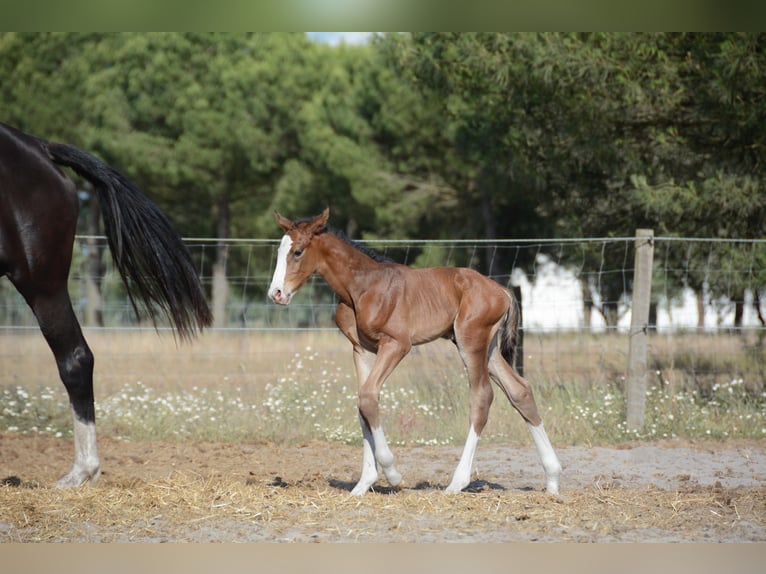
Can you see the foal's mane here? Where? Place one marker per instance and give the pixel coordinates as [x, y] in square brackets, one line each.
[368, 251]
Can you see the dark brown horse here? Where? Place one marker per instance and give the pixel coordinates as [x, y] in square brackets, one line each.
[386, 308]
[38, 216]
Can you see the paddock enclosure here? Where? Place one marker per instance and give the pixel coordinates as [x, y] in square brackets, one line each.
[228, 479]
[250, 433]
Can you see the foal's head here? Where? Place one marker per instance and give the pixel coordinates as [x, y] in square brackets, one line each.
[296, 261]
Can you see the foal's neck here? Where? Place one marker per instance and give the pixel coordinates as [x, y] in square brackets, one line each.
[344, 267]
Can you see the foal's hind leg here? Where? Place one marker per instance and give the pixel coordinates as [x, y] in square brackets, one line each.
[519, 393]
[473, 351]
[75, 364]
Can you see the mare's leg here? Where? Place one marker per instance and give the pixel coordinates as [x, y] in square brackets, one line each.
[38, 216]
[374, 444]
[472, 341]
[74, 359]
[519, 393]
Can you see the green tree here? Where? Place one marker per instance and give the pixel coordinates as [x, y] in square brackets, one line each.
[44, 93]
[44, 76]
[598, 132]
[205, 121]
[716, 185]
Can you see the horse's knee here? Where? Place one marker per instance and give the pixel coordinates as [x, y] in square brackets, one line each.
[482, 396]
[522, 395]
[76, 370]
[368, 406]
[523, 400]
[518, 391]
[481, 401]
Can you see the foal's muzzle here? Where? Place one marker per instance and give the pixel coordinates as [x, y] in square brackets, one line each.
[279, 297]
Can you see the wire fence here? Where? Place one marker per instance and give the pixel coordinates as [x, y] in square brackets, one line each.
[707, 285]
[705, 328]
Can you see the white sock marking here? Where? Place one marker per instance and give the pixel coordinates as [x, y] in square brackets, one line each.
[462, 476]
[385, 457]
[375, 451]
[369, 466]
[548, 457]
[87, 465]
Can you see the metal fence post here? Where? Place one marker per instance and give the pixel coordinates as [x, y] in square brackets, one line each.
[639, 320]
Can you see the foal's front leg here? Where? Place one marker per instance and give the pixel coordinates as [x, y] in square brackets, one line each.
[372, 371]
[363, 361]
[375, 451]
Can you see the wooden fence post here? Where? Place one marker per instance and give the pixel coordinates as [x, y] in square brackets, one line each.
[639, 320]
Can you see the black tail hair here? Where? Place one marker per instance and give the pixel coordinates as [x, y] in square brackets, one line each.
[153, 261]
[509, 341]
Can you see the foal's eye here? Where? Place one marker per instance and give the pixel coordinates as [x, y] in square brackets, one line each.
[297, 253]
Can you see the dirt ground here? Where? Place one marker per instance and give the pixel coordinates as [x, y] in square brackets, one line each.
[263, 492]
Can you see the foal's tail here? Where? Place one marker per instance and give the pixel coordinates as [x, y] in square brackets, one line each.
[509, 338]
[152, 260]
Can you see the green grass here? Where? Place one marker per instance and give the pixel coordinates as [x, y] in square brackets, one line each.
[291, 388]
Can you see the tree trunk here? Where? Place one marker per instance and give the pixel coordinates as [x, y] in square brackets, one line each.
[587, 304]
[739, 313]
[490, 230]
[610, 310]
[652, 326]
[757, 307]
[700, 296]
[220, 282]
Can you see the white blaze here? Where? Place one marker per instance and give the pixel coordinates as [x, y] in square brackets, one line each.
[278, 281]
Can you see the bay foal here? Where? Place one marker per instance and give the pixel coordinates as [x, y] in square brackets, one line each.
[386, 308]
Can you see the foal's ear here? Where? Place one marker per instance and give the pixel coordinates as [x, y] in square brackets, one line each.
[283, 222]
[318, 223]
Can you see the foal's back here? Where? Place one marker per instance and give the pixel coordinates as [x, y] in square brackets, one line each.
[438, 299]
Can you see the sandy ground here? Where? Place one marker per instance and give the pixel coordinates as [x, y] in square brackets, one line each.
[669, 492]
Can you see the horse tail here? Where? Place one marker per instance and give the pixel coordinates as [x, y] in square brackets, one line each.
[509, 338]
[151, 258]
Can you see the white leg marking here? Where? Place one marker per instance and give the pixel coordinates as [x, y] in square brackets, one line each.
[548, 457]
[86, 465]
[462, 476]
[369, 466]
[385, 457]
[375, 451]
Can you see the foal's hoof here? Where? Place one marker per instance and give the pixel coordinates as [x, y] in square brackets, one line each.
[398, 486]
[361, 489]
[552, 483]
[77, 477]
[394, 478]
[455, 488]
